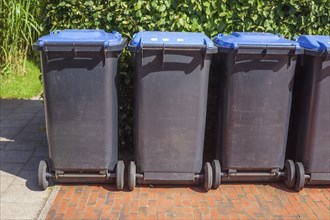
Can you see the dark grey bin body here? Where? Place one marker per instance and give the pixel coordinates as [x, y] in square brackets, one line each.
[170, 110]
[79, 69]
[80, 93]
[309, 139]
[255, 101]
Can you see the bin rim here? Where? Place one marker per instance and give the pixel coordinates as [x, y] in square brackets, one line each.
[315, 45]
[171, 40]
[265, 43]
[82, 37]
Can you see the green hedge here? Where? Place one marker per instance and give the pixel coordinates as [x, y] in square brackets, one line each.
[286, 17]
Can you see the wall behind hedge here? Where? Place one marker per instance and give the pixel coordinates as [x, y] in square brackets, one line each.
[286, 17]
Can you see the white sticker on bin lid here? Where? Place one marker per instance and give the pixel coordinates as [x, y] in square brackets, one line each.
[154, 39]
[166, 39]
[180, 40]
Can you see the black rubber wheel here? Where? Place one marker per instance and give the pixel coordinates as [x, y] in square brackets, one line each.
[290, 174]
[300, 173]
[131, 176]
[208, 176]
[120, 169]
[42, 175]
[216, 174]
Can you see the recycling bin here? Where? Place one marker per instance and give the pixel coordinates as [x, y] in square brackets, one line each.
[309, 136]
[256, 72]
[171, 84]
[79, 71]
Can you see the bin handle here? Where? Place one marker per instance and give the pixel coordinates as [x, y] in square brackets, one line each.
[163, 48]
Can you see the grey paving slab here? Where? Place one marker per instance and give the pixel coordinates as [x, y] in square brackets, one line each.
[9, 104]
[14, 156]
[22, 109]
[10, 169]
[38, 121]
[20, 193]
[32, 103]
[33, 164]
[8, 123]
[5, 113]
[3, 144]
[19, 210]
[41, 152]
[22, 146]
[9, 132]
[31, 136]
[21, 116]
[41, 128]
[5, 181]
[23, 143]
[27, 179]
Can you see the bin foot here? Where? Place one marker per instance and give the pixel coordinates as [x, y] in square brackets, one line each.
[290, 173]
[300, 173]
[131, 176]
[120, 169]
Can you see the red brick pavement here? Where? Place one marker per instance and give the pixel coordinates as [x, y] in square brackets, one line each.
[230, 201]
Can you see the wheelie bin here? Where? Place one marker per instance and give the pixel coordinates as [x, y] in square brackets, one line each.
[79, 71]
[256, 72]
[309, 136]
[171, 83]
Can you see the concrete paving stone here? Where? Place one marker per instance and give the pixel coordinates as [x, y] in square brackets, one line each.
[18, 193]
[21, 116]
[31, 136]
[41, 152]
[27, 179]
[5, 113]
[13, 156]
[9, 104]
[21, 146]
[41, 113]
[5, 181]
[9, 132]
[38, 121]
[33, 164]
[2, 147]
[34, 128]
[6, 123]
[3, 144]
[33, 109]
[42, 143]
[31, 103]
[10, 169]
[19, 210]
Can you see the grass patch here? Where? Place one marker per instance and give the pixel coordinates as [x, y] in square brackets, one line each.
[19, 85]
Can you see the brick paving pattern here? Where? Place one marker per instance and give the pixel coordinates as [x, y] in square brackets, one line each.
[230, 201]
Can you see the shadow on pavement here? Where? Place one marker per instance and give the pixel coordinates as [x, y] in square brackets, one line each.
[23, 142]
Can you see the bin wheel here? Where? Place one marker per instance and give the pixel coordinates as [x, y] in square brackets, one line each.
[131, 176]
[216, 174]
[300, 173]
[290, 174]
[208, 176]
[120, 175]
[42, 175]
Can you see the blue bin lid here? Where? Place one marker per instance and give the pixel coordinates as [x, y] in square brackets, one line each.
[171, 39]
[252, 39]
[82, 37]
[315, 42]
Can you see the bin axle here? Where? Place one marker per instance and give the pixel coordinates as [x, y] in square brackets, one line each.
[252, 176]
